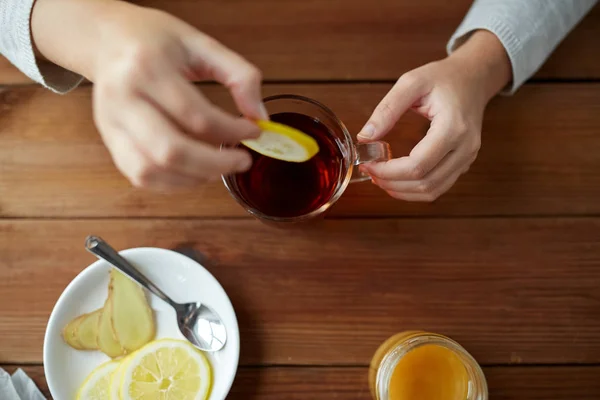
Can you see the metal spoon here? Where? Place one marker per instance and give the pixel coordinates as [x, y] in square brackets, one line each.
[198, 323]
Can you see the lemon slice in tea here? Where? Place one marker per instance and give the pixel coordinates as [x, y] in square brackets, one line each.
[283, 142]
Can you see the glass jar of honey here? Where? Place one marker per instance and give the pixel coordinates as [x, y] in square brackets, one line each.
[425, 366]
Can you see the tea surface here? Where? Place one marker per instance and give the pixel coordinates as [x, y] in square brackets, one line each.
[286, 189]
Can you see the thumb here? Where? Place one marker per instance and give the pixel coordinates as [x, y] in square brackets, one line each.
[234, 72]
[399, 99]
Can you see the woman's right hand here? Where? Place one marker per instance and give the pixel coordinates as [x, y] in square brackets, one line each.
[159, 128]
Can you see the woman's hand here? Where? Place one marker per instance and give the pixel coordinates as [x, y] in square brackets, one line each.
[453, 94]
[159, 128]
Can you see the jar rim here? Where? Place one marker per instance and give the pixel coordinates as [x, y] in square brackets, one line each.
[477, 389]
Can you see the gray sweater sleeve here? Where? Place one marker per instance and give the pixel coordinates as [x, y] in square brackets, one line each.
[528, 29]
[16, 45]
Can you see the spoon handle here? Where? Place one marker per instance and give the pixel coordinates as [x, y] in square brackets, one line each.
[104, 251]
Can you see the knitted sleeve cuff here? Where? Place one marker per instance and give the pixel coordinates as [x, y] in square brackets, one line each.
[509, 40]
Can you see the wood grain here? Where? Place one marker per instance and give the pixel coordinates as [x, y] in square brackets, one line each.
[343, 39]
[510, 290]
[539, 157]
[314, 303]
[505, 383]
[10, 75]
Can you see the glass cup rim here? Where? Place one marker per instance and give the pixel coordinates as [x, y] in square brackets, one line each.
[345, 181]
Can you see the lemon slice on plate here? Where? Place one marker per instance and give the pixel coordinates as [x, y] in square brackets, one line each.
[166, 369]
[97, 385]
[115, 380]
[283, 143]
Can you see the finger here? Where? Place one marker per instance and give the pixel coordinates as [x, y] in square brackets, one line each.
[156, 179]
[427, 197]
[454, 161]
[399, 99]
[230, 69]
[136, 167]
[186, 105]
[436, 144]
[171, 150]
[126, 156]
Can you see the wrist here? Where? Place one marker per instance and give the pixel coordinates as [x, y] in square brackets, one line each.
[485, 60]
[70, 33]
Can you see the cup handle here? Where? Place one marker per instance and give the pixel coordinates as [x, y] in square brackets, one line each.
[366, 153]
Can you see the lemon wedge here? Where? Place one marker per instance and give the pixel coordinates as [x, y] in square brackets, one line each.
[97, 384]
[283, 142]
[166, 369]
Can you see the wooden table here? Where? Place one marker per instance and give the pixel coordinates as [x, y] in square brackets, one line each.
[507, 263]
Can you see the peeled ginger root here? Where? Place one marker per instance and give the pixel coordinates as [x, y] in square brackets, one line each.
[123, 325]
[107, 340]
[132, 319]
[69, 333]
[87, 331]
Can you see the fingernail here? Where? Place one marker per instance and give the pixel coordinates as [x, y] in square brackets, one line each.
[262, 110]
[367, 132]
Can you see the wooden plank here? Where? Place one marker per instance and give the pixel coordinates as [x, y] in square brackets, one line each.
[505, 383]
[343, 39]
[510, 290]
[539, 157]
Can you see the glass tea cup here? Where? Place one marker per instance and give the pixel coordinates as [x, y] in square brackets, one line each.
[279, 191]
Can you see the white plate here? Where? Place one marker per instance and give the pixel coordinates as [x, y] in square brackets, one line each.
[179, 277]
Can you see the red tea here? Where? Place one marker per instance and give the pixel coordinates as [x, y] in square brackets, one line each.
[286, 189]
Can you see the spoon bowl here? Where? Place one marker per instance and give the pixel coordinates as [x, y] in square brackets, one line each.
[201, 326]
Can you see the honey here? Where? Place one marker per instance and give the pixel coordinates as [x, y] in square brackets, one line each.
[425, 366]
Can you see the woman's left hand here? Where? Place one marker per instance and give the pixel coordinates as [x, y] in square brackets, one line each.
[452, 94]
